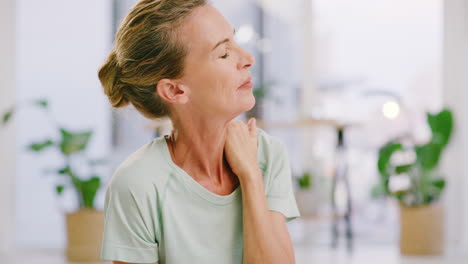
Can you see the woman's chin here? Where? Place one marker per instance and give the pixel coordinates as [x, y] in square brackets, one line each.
[245, 102]
[248, 105]
[244, 107]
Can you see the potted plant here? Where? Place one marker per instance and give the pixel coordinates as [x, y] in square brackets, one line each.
[84, 225]
[305, 195]
[420, 206]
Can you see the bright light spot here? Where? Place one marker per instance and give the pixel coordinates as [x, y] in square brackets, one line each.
[244, 34]
[391, 109]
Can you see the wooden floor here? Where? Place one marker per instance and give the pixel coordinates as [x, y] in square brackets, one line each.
[363, 254]
[307, 249]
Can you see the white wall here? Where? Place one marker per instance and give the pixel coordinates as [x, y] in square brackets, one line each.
[7, 135]
[60, 45]
[456, 95]
[392, 45]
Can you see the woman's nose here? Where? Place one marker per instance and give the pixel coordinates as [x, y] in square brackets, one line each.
[247, 59]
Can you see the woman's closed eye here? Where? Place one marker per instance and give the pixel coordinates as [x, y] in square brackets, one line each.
[225, 55]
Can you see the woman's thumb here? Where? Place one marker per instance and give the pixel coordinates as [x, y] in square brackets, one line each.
[252, 126]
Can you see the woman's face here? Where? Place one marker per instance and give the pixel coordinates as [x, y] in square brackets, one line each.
[215, 66]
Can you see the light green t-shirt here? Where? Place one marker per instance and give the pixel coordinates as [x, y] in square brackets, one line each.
[156, 212]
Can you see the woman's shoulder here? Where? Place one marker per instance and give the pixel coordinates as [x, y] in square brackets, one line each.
[268, 148]
[268, 143]
[144, 168]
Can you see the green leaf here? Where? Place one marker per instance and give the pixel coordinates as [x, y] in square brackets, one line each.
[441, 125]
[259, 93]
[305, 181]
[89, 190]
[430, 188]
[74, 142]
[383, 164]
[77, 182]
[86, 189]
[40, 146]
[59, 189]
[428, 155]
[42, 103]
[439, 184]
[7, 116]
[400, 195]
[385, 154]
[65, 171]
[403, 168]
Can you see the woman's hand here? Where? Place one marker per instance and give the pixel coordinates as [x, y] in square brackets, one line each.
[240, 147]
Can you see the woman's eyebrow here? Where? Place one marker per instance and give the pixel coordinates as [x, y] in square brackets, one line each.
[223, 41]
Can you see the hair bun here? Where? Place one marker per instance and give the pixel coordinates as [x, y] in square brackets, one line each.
[109, 76]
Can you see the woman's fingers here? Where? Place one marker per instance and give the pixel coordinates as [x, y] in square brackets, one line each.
[252, 124]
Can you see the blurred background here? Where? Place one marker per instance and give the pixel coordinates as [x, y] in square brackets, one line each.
[368, 95]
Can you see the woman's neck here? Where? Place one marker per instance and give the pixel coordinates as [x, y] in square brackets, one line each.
[201, 155]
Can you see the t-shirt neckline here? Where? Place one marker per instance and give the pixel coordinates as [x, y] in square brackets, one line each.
[192, 183]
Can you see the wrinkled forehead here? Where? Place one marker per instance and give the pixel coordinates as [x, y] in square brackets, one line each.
[203, 28]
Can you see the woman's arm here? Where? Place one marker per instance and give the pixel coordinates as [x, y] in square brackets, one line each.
[266, 238]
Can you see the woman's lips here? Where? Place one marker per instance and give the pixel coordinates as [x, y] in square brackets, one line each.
[247, 85]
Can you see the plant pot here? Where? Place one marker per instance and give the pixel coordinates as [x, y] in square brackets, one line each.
[85, 229]
[307, 202]
[422, 229]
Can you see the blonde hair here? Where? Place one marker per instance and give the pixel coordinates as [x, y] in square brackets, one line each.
[146, 50]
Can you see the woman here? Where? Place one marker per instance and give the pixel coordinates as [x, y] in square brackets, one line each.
[215, 190]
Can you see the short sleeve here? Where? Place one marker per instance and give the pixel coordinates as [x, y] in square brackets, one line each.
[280, 195]
[129, 222]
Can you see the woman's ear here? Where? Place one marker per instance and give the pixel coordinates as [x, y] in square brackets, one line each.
[172, 91]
